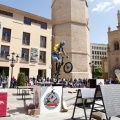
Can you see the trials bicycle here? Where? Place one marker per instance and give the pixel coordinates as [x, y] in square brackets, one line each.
[67, 68]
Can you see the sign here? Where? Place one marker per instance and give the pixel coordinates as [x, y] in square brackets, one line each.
[110, 96]
[48, 98]
[36, 97]
[3, 103]
[34, 55]
[84, 97]
[51, 99]
[87, 92]
[117, 73]
[100, 82]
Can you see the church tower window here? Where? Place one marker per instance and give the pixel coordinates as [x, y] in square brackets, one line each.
[116, 45]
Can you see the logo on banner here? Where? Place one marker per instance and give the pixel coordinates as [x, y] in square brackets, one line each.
[51, 100]
[117, 73]
[1, 102]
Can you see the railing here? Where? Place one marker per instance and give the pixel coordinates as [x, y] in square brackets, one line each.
[25, 59]
[3, 56]
[42, 61]
[6, 38]
[26, 42]
[43, 45]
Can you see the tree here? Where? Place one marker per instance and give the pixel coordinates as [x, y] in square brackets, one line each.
[21, 79]
[98, 72]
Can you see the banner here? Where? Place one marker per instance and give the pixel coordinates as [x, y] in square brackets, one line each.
[3, 102]
[117, 73]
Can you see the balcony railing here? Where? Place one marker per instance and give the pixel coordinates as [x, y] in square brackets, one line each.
[6, 38]
[43, 45]
[26, 42]
[25, 59]
[3, 57]
[42, 61]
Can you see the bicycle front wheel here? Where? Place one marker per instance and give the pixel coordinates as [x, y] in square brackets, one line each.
[67, 67]
[55, 78]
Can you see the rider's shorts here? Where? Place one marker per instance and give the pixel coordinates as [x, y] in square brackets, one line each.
[55, 57]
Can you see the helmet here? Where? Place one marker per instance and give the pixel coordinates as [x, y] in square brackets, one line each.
[62, 42]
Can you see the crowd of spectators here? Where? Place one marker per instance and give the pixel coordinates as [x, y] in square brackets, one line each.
[72, 83]
[75, 83]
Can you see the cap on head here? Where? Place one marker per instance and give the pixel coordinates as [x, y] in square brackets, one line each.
[62, 42]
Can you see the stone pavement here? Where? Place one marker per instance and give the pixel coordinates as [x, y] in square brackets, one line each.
[17, 112]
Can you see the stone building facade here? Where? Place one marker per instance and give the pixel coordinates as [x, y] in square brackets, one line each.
[113, 60]
[29, 36]
[98, 51]
[71, 17]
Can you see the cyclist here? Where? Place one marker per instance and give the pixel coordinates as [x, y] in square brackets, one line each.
[56, 53]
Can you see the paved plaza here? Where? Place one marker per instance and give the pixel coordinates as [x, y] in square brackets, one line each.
[17, 112]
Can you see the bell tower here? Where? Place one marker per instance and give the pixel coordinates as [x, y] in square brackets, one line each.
[71, 25]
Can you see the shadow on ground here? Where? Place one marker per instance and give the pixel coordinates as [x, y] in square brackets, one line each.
[15, 94]
[18, 110]
[75, 118]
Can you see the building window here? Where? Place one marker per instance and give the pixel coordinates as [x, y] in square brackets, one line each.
[43, 25]
[6, 13]
[26, 38]
[25, 54]
[116, 45]
[6, 35]
[4, 51]
[43, 41]
[42, 57]
[27, 21]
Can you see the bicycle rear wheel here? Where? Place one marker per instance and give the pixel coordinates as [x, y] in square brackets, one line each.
[67, 67]
[55, 78]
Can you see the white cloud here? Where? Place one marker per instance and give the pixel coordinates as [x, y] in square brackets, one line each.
[109, 8]
[103, 6]
[116, 2]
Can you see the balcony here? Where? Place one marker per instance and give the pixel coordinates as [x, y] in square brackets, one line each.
[3, 57]
[42, 62]
[25, 42]
[24, 59]
[43, 45]
[6, 38]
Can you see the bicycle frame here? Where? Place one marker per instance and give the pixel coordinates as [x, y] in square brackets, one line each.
[62, 63]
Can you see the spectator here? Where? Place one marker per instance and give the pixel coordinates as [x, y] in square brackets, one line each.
[116, 81]
[13, 82]
[33, 80]
[27, 80]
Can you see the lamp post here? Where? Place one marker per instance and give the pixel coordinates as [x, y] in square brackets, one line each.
[13, 61]
[93, 68]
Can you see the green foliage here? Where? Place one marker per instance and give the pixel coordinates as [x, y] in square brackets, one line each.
[98, 72]
[21, 79]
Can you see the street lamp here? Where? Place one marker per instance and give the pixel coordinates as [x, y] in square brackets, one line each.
[13, 61]
[93, 68]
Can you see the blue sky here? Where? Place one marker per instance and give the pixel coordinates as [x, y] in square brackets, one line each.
[102, 13]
